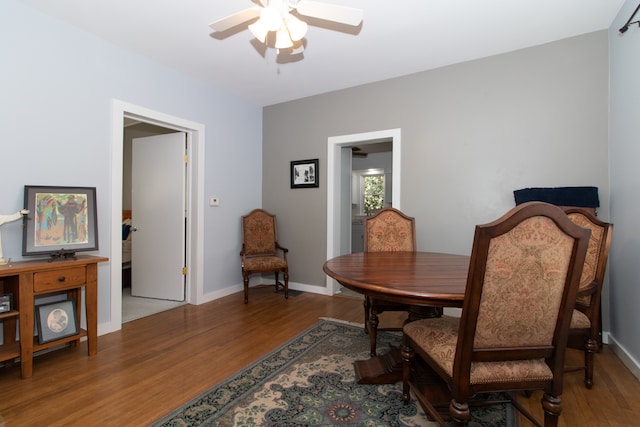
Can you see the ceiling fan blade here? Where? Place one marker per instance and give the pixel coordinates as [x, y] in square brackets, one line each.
[330, 12]
[237, 18]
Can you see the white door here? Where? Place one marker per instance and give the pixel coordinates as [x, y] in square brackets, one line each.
[158, 216]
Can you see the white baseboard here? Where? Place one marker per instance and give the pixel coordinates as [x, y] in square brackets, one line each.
[627, 359]
[322, 290]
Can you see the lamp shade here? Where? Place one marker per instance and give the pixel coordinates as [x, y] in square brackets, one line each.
[283, 41]
[259, 30]
[271, 18]
[297, 28]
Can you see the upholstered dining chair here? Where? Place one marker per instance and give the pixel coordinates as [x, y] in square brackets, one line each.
[261, 252]
[389, 230]
[521, 288]
[585, 332]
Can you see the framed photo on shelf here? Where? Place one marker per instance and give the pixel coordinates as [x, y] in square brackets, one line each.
[6, 303]
[304, 173]
[56, 320]
[61, 220]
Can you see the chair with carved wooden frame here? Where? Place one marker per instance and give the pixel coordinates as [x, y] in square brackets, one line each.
[261, 252]
[389, 230]
[585, 332]
[521, 288]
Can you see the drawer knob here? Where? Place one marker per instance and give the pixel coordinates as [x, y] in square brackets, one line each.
[61, 279]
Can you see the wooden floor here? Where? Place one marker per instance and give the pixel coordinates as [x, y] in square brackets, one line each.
[155, 364]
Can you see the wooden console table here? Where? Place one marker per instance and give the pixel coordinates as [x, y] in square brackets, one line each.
[27, 279]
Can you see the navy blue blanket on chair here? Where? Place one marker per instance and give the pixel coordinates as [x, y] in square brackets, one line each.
[583, 197]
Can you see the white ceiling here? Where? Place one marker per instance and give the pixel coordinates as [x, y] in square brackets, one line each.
[397, 37]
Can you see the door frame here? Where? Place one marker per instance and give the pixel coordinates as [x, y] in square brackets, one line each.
[336, 166]
[195, 203]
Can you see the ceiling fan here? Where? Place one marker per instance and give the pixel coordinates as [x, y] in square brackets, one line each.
[283, 18]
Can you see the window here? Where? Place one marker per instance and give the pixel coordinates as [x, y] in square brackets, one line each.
[373, 193]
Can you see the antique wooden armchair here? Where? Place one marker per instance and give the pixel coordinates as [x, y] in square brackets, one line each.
[585, 332]
[521, 289]
[389, 230]
[261, 252]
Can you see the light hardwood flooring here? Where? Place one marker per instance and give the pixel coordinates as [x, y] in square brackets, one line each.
[157, 363]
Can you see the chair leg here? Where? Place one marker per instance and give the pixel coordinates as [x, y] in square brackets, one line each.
[460, 412]
[286, 284]
[245, 279]
[277, 282]
[552, 406]
[407, 354]
[590, 348]
[367, 310]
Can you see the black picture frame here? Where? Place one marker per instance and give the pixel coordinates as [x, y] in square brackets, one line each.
[61, 220]
[56, 320]
[305, 174]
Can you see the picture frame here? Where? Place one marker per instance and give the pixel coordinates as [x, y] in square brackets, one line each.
[61, 220]
[6, 303]
[56, 320]
[305, 174]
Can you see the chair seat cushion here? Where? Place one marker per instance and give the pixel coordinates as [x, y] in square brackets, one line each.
[264, 263]
[579, 320]
[438, 338]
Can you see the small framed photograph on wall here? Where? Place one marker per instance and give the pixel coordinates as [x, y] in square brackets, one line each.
[304, 173]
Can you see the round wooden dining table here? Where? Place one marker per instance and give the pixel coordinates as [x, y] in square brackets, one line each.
[419, 279]
[416, 278]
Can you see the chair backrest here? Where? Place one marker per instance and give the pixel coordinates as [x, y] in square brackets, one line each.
[595, 264]
[389, 230]
[259, 233]
[521, 289]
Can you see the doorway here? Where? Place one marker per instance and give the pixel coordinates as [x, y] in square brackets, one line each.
[153, 171]
[339, 182]
[194, 277]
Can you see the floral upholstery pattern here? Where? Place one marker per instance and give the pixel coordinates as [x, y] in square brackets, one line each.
[264, 263]
[259, 234]
[389, 232]
[579, 320]
[512, 333]
[524, 281]
[440, 337]
[593, 253]
[522, 291]
[260, 250]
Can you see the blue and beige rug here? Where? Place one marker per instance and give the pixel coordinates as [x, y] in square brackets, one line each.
[309, 381]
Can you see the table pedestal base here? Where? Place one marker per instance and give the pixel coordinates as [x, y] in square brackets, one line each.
[384, 369]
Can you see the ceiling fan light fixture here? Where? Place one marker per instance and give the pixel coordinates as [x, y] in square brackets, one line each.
[271, 18]
[283, 41]
[259, 30]
[297, 28]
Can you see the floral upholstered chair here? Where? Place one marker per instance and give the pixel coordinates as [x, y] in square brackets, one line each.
[261, 252]
[389, 230]
[521, 289]
[585, 332]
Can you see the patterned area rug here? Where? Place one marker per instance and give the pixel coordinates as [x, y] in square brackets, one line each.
[309, 381]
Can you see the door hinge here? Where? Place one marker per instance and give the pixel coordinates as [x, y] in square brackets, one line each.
[185, 270]
[186, 159]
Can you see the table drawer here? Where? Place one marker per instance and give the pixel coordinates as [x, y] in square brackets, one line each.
[59, 279]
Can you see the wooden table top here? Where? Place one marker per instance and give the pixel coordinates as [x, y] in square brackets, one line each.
[416, 278]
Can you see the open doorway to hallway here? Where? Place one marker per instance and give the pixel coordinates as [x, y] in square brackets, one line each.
[194, 193]
[133, 305]
[339, 187]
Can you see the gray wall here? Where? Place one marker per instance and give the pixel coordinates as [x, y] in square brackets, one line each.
[625, 187]
[471, 134]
